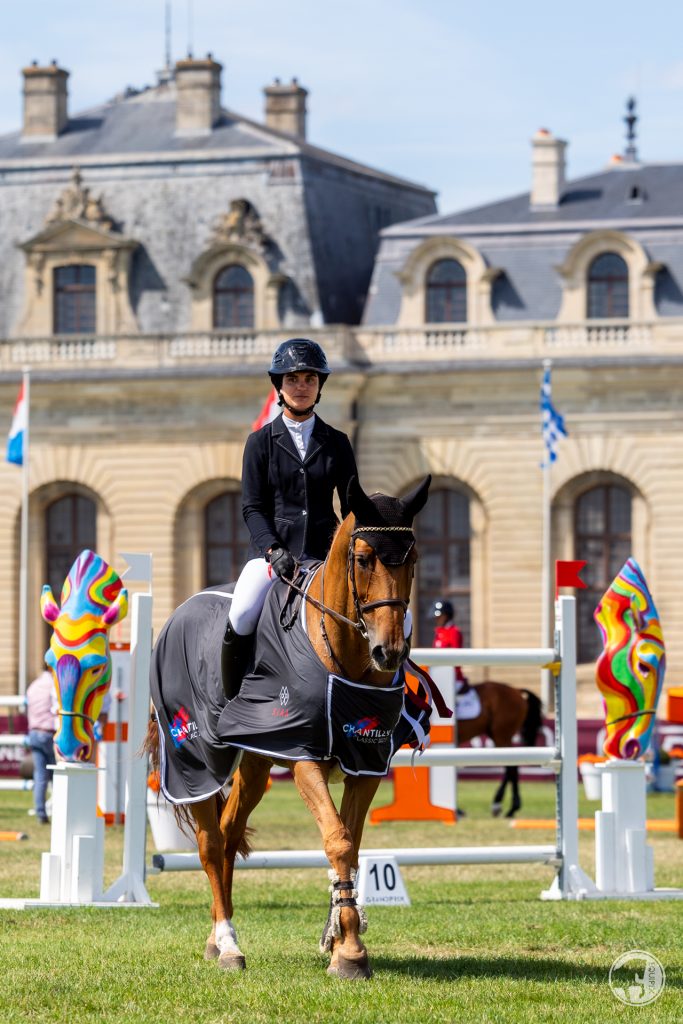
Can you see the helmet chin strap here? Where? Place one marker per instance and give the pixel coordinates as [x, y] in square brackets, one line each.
[298, 412]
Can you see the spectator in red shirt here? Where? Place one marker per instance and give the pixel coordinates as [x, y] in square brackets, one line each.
[447, 634]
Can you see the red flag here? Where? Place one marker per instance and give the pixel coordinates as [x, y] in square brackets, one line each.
[567, 574]
[268, 412]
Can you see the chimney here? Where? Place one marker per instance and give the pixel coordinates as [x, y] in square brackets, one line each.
[198, 104]
[45, 114]
[286, 108]
[548, 167]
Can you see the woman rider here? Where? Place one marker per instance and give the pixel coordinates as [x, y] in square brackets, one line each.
[290, 470]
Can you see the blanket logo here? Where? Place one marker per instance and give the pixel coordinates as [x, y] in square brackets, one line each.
[366, 730]
[182, 729]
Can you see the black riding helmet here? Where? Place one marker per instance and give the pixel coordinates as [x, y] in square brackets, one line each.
[296, 356]
[441, 607]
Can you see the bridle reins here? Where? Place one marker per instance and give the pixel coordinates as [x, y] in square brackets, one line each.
[359, 624]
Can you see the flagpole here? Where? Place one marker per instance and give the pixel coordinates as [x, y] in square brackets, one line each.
[546, 571]
[23, 570]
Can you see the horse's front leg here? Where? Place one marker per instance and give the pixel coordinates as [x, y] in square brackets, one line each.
[222, 941]
[349, 955]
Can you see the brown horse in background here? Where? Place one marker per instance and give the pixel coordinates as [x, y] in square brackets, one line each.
[358, 633]
[505, 711]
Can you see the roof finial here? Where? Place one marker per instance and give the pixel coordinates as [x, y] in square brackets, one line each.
[631, 153]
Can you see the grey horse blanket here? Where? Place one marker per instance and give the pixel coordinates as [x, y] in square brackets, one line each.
[289, 707]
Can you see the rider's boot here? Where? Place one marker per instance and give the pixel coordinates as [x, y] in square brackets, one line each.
[236, 654]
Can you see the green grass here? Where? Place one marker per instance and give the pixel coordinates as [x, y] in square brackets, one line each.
[476, 945]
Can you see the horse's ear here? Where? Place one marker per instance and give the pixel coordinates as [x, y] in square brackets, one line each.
[417, 499]
[362, 507]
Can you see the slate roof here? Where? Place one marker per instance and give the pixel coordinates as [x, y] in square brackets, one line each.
[605, 196]
[144, 124]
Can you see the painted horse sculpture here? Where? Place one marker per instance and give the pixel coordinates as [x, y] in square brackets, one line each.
[353, 629]
[93, 599]
[630, 670]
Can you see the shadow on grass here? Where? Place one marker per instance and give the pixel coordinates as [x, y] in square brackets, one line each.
[469, 967]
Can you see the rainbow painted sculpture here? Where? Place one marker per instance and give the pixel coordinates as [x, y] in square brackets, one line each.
[630, 670]
[93, 600]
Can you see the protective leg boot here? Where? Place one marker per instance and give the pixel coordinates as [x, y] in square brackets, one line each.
[236, 654]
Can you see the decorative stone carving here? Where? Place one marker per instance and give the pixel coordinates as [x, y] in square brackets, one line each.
[241, 225]
[77, 203]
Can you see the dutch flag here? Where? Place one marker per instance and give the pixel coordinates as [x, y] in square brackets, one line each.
[15, 441]
[268, 412]
[552, 422]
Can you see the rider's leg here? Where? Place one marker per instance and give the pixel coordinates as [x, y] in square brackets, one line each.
[247, 604]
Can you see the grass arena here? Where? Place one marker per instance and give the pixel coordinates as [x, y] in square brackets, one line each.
[476, 944]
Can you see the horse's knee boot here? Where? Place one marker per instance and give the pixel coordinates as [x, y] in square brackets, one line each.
[236, 655]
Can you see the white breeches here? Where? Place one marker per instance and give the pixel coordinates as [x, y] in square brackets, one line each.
[250, 593]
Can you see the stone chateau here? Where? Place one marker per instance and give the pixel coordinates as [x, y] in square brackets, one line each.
[155, 250]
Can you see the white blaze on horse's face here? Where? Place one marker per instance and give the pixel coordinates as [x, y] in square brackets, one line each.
[385, 624]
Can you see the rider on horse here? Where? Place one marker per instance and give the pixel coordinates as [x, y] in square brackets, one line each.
[290, 471]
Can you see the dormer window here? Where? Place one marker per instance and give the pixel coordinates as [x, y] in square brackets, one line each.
[608, 288]
[74, 299]
[446, 293]
[233, 298]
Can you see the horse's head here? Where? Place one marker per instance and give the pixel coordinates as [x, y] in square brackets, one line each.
[92, 600]
[630, 670]
[381, 565]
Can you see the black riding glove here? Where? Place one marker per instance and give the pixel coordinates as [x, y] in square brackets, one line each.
[283, 562]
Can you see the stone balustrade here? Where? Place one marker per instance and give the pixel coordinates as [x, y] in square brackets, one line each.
[357, 346]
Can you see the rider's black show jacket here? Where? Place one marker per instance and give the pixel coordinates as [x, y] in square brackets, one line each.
[287, 501]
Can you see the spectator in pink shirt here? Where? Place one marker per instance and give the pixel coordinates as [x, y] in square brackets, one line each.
[41, 701]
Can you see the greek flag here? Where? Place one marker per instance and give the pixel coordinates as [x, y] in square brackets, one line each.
[552, 422]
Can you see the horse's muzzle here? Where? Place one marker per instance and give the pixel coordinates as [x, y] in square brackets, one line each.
[388, 658]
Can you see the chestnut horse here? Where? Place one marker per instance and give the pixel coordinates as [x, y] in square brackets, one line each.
[505, 711]
[355, 612]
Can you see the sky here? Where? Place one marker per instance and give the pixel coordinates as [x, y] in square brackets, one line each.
[442, 92]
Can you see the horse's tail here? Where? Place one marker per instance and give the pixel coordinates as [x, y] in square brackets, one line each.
[534, 719]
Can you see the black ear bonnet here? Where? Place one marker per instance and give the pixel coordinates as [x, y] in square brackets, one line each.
[385, 523]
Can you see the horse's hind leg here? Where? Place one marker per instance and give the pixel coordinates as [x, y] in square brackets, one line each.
[498, 796]
[249, 784]
[512, 774]
[210, 846]
[349, 955]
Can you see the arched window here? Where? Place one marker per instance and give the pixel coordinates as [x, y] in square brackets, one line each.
[602, 536]
[74, 299]
[226, 539]
[446, 293]
[443, 570]
[233, 298]
[70, 527]
[608, 287]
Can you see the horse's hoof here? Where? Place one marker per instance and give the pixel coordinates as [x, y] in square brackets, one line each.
[232, 962]
[495, 810]
[211, 951]
[352, 970]
[511, 813]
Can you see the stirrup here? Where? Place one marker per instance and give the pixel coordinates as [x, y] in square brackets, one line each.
[236, 654]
